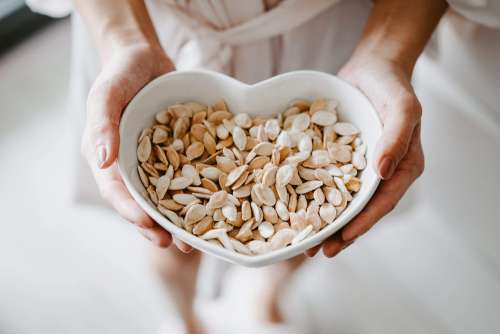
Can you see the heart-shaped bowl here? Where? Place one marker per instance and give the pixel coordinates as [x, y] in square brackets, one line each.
[266, 98]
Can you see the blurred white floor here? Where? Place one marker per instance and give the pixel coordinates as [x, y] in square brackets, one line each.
[64, 268]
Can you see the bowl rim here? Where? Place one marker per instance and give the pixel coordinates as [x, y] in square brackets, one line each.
[232, 256]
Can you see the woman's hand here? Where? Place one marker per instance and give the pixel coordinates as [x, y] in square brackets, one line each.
[123, 74]
[399, 158]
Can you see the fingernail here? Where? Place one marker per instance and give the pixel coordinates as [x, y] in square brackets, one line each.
[387, 168]
[101, 155]
[149, 234]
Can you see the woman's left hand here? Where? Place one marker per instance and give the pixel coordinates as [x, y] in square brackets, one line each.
[399, 159]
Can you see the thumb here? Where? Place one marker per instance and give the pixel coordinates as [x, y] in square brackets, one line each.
[104, 107]
[401, 118]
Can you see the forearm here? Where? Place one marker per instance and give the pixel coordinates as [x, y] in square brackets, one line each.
[399, 30]
[118, 23]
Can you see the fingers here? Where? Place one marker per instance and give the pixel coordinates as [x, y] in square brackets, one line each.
[182, 246]
[116, 194]
[313, 251]
[400, 120]
[389, 192]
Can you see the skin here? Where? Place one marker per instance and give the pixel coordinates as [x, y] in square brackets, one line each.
[381, 67]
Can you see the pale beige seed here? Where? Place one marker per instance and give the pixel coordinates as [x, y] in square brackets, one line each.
[191, 173]
[312, 216]
[203, 226]
[202, 195]
[257, 212]
[162, 117]
[266, 229]
[243, 120]
[354, 184]
[308, 186]
[179, 183]
[258, 247]
[229, 211]
[235, 175]
[347, 169]
[241, 180]
[245, 232]
[323, 176]
[302, 235]
[195, 150]
[209, 185]
[265, 194]
[269, 176]
[221, 235]
[239, 138]
[199, 190]
[180, 110]
[222, 132]
[270, 214]
[180, 127]
[178, 145]
[272, 128]
[307, 174]
[194, 214]
[345, 129]
[340, 184]
[240, 247]
[153, 180]
[173, 157]
[338, 152]
[211, 173]
[162, 186]
[217, 200]
[305, 144]
[281, 238]
[319, 196]
[258, 162]
[324, 118]
[209, 143]
[218, 116]
[242, 192]
[298, 220]
[301, 104]
[170, 204]
[345, 140]
[292, 202]
[264, 149]
[333, 196]
[358, 160]
[285, 174]
[284, 139]
[144, 149]
[224, 225]
[318, 159]
[225, 164]
[159, 136]
[171, 216]
[282, 193]
[148, 168]
[328, 213]
[301, 203]
[220, 105]
[246, 210]
[152, 194]
[184, 199]
[143, 177]
[301, 122]
[282, 210]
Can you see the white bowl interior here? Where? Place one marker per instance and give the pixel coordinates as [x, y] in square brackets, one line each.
[267, 98]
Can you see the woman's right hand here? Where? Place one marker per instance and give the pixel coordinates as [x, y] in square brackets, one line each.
[123, 74]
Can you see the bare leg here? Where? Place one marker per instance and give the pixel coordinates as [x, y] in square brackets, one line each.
[178, 272]
[280, 275]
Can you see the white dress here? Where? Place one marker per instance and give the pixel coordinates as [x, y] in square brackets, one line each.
[432, 266]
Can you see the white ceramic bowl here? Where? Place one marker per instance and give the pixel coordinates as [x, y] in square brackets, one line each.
[267, 98]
